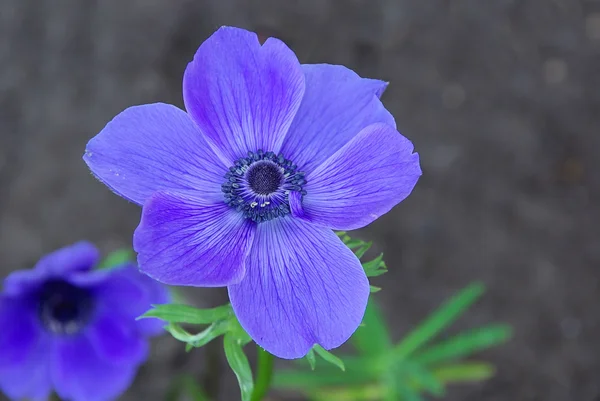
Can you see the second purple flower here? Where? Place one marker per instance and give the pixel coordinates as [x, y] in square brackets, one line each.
[245, 188]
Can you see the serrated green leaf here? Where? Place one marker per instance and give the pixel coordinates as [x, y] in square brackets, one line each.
[174, 313]
[117, 258]
[329, 357]
[352, 243]
[372, 337]
[464, 372]
[375, 267]
[312, 359]
[239, 364]
[377, 273]
[360, 252]
[439, 320]
[464, 344]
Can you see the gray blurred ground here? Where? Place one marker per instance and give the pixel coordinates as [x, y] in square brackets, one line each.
[501, 98]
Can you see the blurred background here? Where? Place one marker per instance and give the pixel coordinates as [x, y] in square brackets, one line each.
[502, 101]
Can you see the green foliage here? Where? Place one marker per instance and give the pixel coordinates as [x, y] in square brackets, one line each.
[311, 359]
[414, 367]
[373, 268]
[439, 320]
[117, 258]
[329, 357]
[174, 313]
[372, 337]
[220, 321]
[464, 344]
[239, 364]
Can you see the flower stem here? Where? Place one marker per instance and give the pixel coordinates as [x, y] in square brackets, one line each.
[264, 374]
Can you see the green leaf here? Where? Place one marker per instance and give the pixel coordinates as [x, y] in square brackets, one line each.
[375, 267]
[373, 289]
[312, 359]
[117, 258]
[372, 337]
[421, 379]
[354, 243]
[324, 376]
[239, 364]
[439, 320]
[193, 389]
[207, 335]
[464, 372]
[200, 339]
[178, 332]
[404, 393]
[329, 357]
[174, 313]
[397, 389]
[360, 252]
[360, 393]
[464, 344]
[236, 329]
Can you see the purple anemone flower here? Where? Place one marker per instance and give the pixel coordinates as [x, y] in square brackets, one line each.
[71, 329]
[245, 188]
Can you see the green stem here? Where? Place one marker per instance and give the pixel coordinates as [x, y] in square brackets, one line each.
[263, 375]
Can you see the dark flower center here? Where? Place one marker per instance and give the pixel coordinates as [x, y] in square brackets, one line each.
[63, 307]
[264, 177]
[259, 185]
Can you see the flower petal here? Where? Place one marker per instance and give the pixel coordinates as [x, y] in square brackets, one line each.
[20, 331]
[242, 95]
[78, 374]
[362, 181]
[30, 381]
[303, 286]
[116, 339]
[132, 293]
[27, 381]
[78, 257]
[23, 346]
[336, 106]
[151, 148]
[185, 240]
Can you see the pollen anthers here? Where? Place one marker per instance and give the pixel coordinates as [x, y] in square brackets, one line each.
[259, 185]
